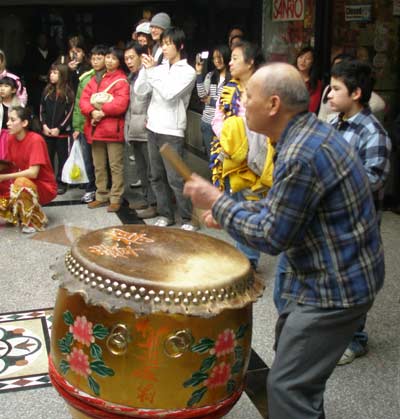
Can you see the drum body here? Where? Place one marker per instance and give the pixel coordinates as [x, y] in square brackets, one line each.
[131, 346]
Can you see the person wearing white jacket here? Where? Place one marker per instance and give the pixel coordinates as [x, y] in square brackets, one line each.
[170, 85]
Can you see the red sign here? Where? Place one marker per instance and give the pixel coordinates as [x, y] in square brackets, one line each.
[287, 10]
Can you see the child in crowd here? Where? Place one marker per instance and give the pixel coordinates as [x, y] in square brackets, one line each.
[104, 129]
[27, 181]
[136, 133]
[21, 90]
[8, 99]
[56, 108]
[209, 89]
[351, 88]
[97, 60]
[170, 85]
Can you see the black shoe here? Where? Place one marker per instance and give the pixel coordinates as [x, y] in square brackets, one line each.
[61, 189]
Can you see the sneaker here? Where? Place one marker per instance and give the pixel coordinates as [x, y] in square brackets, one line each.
[149, 212]
[353, 351]
[113, 207]
[88, 197]
[132, 158]
[136, 184]
[189, 227]
[163, 222]
[28, 230]
[140, 205]
[97, 204]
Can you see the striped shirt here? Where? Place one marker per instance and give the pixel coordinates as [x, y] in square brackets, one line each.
[372, 144]
[206, 88]
[320, 212]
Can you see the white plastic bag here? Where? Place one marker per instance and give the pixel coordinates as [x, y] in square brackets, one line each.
[74, 171]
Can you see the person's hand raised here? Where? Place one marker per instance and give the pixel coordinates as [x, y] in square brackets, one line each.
[148, 61]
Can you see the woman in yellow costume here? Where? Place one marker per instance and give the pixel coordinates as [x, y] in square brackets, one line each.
[241, 161]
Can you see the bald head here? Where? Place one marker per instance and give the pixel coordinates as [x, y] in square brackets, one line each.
[285, 81]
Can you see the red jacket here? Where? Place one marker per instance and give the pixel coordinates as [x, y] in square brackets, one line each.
[111, 127]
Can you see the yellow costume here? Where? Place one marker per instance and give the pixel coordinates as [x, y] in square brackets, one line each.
[229, 153]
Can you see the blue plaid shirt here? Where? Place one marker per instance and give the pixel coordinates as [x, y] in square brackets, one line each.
[366, 134]
[320, 212]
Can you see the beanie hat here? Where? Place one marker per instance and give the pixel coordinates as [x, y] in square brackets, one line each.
[143, 27]
[161, 20]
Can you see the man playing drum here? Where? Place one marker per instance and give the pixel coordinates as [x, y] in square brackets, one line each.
[320, 214]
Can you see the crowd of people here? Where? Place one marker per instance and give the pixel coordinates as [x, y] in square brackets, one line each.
[296, 170]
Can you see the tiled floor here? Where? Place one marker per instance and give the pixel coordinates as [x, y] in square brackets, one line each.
[367, 389]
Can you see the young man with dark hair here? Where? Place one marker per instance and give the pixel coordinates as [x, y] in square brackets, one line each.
[351, 88]
[170, 84]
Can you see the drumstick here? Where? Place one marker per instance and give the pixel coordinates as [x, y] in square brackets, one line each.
[175, 160]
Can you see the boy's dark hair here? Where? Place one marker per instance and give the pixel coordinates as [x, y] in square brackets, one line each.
[139, 49]
[177, 37]
[118, 52]
[99, 49]
[9, 81]
[355, 74]
[251, 52]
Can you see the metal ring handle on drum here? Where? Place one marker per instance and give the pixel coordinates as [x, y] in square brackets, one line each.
[179, 343]
[117, 342]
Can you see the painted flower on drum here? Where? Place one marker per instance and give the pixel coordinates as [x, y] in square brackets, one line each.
[223, 363]
[79, 362]
[82, 331]
[82, 336]
[219, 375]
[225, 343]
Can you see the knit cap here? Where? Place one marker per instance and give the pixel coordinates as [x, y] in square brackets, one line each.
[143, 27]
[161, 20]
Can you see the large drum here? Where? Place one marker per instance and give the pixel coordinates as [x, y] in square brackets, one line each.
[152, 323]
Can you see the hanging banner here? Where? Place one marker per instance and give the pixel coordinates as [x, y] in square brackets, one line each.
[358, 13]
[287, 10]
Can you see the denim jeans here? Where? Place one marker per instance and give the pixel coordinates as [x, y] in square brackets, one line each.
[164, 178]
[88, 160]
[208, 134]
[250, 252]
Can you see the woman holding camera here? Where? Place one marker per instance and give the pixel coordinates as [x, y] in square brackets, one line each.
[209, 89]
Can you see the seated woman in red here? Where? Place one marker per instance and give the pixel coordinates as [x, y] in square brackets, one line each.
[27, 179]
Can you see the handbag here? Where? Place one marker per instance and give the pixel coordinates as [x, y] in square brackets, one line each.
[100, 98]
[74, 171]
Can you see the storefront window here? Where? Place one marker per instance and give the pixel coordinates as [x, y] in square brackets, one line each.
[288, 27]
[369, 30]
